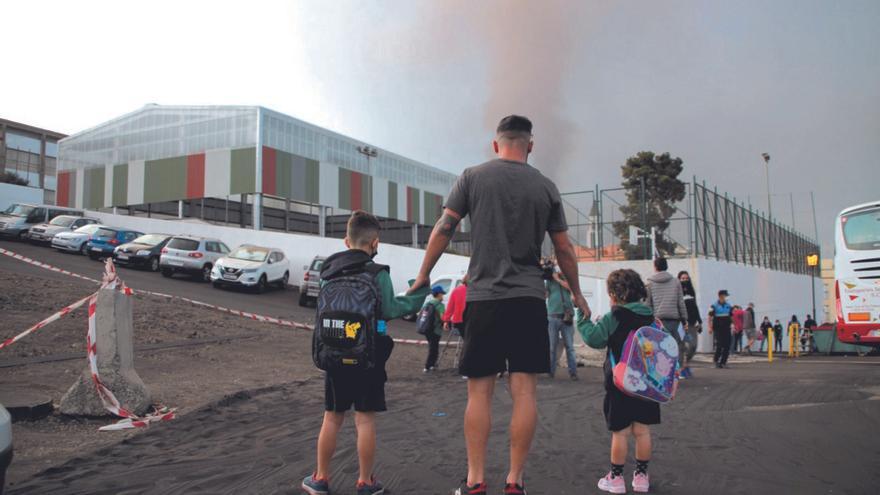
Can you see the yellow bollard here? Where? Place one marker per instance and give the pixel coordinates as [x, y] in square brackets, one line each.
[770, 348]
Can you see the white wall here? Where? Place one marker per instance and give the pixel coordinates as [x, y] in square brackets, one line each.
[299, 248]
[11, 194]
[775, 294]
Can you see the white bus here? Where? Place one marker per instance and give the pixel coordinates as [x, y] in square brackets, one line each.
[857, 274]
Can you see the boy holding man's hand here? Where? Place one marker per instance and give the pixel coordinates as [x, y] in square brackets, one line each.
[364, 389]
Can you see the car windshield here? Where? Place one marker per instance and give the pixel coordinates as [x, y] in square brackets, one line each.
[861, 230]
[88, 229]
[150, 239]
[316, 265]
[62, 221]
[183, 244]
[249, 253]
[102, 232]
[17, 210]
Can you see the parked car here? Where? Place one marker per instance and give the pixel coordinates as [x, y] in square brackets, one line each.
[44, 232]
[76, 241]
[16, 220]
[106, 239]
[191, 255]
[5, 444]
[448, 282]
[311, 282]
[253, 267]
[143, 252]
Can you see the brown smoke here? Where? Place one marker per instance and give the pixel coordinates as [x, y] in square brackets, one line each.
[529, 49]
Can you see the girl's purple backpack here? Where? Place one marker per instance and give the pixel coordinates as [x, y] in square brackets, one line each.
[648, 367]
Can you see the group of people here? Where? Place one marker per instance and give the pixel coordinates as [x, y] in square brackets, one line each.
[512, 313]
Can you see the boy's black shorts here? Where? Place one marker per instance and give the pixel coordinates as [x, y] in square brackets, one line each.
[505, 335]
[363, 390]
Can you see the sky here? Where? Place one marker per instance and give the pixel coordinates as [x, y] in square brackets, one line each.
[715, 83]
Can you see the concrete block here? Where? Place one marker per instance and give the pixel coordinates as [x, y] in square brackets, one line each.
[115, 341]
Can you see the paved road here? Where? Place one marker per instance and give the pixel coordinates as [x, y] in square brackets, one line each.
[277, 303]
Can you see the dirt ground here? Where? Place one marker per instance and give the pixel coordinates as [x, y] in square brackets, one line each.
[251, 408]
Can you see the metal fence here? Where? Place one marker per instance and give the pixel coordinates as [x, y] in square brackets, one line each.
[705, 223]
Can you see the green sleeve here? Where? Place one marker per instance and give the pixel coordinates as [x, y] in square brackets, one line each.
[438, 321]
[596, 334]
[397, 306]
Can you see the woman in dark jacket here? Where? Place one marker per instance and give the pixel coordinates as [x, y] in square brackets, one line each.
[695, 323]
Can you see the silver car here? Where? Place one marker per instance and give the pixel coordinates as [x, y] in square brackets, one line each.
[76, 241]
[191, 255]
[44, 232]
[5, 444]
[311, 283]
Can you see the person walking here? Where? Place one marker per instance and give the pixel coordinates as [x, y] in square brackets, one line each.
[766, 328]
[666, 300]
[719, 326]
[737, 319]
[777, 336]
[695, 322]
[807, 340]
[794, 333]
[434, 333]
[453, 318]
[512, 208]
[749, 327]
[560, 312]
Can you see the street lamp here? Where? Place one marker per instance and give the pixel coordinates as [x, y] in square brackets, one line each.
[766, 157]
[369, 153]
[813, 262]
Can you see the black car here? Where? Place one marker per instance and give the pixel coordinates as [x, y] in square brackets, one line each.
[143, 252]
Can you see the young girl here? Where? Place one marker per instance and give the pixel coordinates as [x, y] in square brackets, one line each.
[625, 416]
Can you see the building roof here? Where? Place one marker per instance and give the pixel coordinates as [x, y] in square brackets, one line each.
[33, 129]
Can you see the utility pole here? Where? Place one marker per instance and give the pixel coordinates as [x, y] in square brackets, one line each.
[644, 211]
[791, 198]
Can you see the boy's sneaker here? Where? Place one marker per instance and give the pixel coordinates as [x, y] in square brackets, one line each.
[314, 486]
[514, 489]
[641, 483]
[475, 489]
[371, 488]
[611, 484]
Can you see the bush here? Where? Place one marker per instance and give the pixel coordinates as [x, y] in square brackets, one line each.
[13, 178]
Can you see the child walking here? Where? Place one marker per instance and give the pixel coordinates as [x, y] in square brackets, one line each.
[363, 389]
[625, 416]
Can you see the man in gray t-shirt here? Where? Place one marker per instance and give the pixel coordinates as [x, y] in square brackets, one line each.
[512, 207]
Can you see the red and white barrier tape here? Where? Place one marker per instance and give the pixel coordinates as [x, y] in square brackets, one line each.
[130, 420]
[56, 316]
[236, 312]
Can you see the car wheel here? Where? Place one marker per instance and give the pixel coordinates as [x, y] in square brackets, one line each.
[167, 272]
[206, 273]
[283, 282]
[303, 299]
[84, 249]
[154, 264]
[261, 284]
[22, 236]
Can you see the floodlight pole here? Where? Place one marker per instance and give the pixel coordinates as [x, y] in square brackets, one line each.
[766, 157]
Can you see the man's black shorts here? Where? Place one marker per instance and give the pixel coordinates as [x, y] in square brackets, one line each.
[505, 335]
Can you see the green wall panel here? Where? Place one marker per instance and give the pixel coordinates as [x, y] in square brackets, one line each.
[93, 188]
[165, 179]
[242, 171]
[120, 185]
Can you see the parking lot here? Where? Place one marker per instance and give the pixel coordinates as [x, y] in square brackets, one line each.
[275, 302]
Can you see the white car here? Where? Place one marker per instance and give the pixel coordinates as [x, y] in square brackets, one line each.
[5, 444]
[76, 241]
[44, 232]
[448, 282]
[252, 267]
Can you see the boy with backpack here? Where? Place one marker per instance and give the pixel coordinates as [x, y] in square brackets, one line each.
[350, 344]
[626, 414]
[430, 324]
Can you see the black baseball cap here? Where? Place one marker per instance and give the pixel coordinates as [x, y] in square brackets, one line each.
[723, 292]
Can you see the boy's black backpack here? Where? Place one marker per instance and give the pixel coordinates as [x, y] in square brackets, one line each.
[425, 320]
[348, 308]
